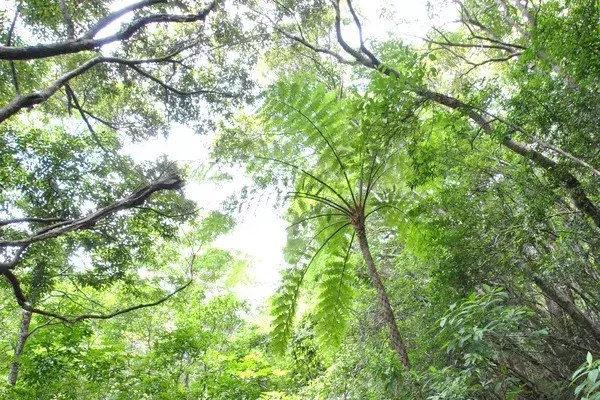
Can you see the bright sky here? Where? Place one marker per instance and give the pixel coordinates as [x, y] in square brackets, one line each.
[260, 233]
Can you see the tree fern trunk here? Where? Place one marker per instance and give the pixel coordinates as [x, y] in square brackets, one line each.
[13, 372]
[384, 301]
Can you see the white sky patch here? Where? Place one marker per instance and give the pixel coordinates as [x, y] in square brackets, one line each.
[406, 20]
[259, 234]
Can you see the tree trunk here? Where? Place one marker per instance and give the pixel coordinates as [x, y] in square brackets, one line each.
[13, 372]
[569, 307]
[384, 301]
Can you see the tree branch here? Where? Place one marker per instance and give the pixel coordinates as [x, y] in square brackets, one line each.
[113, 16]
[174, 89]
[87, 41]
[62, 4]
[29, 220]
[13, 69]
[31, 99]
[169, 182]
[509, 20]
[563, 176]
[71, 94]
[22, 300]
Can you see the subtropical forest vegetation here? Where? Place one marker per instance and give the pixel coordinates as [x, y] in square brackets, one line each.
[441, 191]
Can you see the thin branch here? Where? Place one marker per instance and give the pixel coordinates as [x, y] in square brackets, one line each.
[31, 99]
[525, 12]
[163, 214]
[399, 210]
[323, 245]
[468, 45]
[62, 4]
[101, 120]
[568, 155]
[170, 182]
[104, 22]
[313, 217]
[316, 49]
[347, 48]
[491, 37]
[323, 200]
[307, 266]
[337, 157]
[71, 94]
[30, 220]
[491, 60]
[363, 48]
[175, 90]
[307, 174]
[22, 300]
[503, 6]
[13, 69]
[373, 178]
[361, 177]
[45, 324]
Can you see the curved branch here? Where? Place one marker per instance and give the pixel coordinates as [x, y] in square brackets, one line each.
[335, 153]
[62, 4]
[13, 68]
[323, 200]
[31, 99]
[169, 182]
[174, 89]
[113, 16]
[22, 300]
[363, 48]
[87, 41]
[30, 220]
[324, 244]
[307, 174]
[72, 95]
[313, 217]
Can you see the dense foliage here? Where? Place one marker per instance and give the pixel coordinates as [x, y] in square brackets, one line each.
[442, 196]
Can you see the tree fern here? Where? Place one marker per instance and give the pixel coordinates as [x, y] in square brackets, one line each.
[304, 117]
[330, 178]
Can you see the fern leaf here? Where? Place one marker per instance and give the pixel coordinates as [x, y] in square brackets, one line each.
[284, 307]
[335, 296]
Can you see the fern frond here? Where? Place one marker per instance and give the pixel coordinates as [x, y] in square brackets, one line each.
[335, 296]
[284, 307]
[285, 302]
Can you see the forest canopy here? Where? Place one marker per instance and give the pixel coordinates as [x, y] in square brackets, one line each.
[439, 180]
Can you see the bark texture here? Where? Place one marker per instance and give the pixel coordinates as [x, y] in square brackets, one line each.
[569, 307]
[13, 372]
[384, 301]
